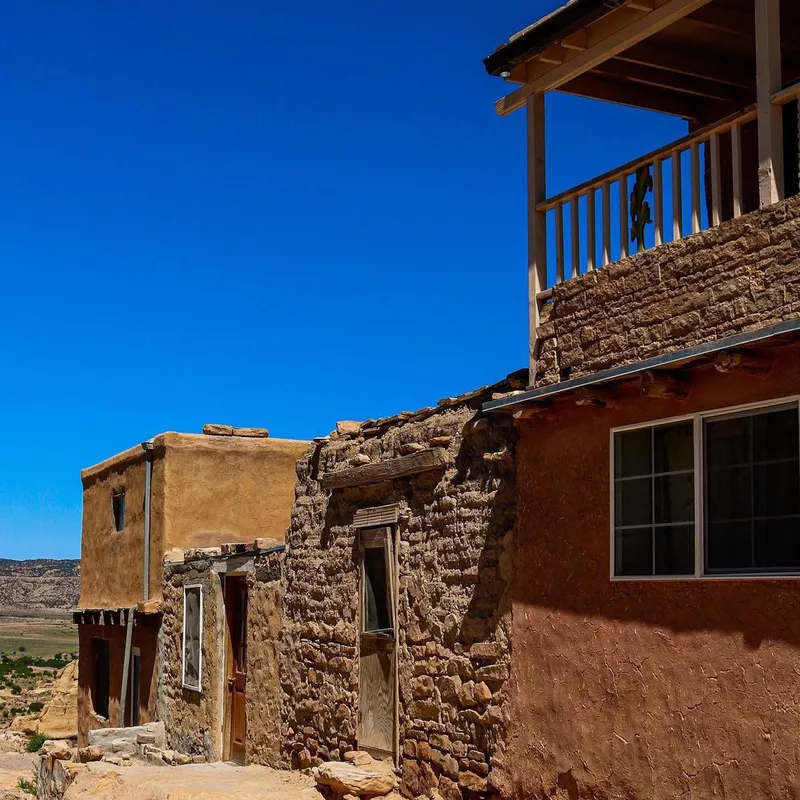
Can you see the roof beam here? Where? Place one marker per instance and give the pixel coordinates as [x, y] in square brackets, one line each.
[607, 37]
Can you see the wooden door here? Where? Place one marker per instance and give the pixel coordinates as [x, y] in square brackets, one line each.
[236, 615]
[377, 717]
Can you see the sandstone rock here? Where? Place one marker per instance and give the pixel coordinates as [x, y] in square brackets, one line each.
[168, 756]
[358, 757]
[347, 426]
[146, 738]
[60, 751]
[59, 718]
[182, 759]
[493, 672]
[265, 543]
[251, 433]
[27, 724]
[360, 459]
[91, 753]
[174, 556]
[104, 737]
[472, 782]
[486, 651]
[482, 693]
[347, 778]
[198, 759]
[217, 430]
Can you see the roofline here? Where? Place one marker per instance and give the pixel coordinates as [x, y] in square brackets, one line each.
[629, 370]
[562, 22]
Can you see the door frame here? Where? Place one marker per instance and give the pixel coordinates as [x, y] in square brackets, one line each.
[384, 537]
[228, 661]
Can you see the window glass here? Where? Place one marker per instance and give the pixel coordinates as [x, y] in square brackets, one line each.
[192, 650]
[118, 507]
[632, 453]
[753, 492]
[376, 614]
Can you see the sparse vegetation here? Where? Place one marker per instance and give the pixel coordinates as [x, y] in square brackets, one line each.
[36, 741]
[26, 786]
[36, 706]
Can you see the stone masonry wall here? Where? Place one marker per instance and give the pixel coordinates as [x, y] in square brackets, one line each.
[741, 276]
[454, 542]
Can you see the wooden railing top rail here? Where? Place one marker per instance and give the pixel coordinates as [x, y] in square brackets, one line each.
[721, 126]
[786, 95]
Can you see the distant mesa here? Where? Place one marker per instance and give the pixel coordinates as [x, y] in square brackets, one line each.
[38, 584]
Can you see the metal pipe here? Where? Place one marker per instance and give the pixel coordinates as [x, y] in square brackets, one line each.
[148, 479]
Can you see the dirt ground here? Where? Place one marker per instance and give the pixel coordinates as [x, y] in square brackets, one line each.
[14, 766]
[101, 781]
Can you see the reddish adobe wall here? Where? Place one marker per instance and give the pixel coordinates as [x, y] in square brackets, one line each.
[641, 689]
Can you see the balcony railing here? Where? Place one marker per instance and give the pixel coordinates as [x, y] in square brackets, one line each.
[699, 177]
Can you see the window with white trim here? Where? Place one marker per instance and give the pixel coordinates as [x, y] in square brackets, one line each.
[193, 637]
[715, 495]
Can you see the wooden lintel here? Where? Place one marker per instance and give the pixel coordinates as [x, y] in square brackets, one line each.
[754, 364]
[664, 385]
[595, 397]
[541, 410]
[606, 37]
[386, 470]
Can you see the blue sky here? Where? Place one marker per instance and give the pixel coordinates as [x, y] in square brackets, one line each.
[262, 214]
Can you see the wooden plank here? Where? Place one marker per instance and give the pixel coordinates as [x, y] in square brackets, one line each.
[591, 241]
[559, 243]
[736, 158]
[721, 126]
[677, 197]
[376, 516]
[770, 117]
[605, 42]
[606, 224]
[658, 202]
[787, 95]
[695, 181]
[376, 695]
[386, 470]
[575, 237]
[624, 225]
[716, 181]
[537, 222]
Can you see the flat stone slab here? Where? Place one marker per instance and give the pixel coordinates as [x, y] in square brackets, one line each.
[347, 778]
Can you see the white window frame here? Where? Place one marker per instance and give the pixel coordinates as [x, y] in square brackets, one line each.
[199, 688]
[699, 489]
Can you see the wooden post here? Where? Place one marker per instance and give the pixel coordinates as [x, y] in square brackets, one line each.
[559, 243]
[606, 223]
[770, 116]
[658, 202]
[695, 180]
[677, 197]
[575, 237]
[736, 156]
[591, 244]
[537, 222]
[624, 229]
[716, 182]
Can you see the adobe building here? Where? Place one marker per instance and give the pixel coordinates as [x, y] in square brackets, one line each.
[174, 492]
[653, 602]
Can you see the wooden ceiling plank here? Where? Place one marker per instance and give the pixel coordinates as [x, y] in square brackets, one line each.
[601, 49]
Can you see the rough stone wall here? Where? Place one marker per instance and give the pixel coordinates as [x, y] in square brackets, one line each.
[741, 276]
[453, 657]
[193, 720]
[660, 689]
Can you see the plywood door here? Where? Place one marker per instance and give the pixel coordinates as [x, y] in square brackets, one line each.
[378, 647]
[236, 614]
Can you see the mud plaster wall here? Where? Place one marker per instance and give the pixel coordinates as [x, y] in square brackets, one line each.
[669, 689]
[454, 531]
[228, 489]
[112, 561]
[144, 637]
[193, 720]
[741, 276]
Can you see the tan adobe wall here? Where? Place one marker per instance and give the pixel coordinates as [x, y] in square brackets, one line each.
[112, 561]
[454, 529]
[741, 276]
[658, 689]
[227, 488]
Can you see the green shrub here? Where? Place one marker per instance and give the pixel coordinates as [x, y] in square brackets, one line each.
[35, 706]
[27, 786]
[36, 741]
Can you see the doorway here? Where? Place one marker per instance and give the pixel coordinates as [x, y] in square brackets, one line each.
[134, 672]
[236, 679]
[377, 701]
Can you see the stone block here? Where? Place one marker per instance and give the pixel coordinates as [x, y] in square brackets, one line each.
[211, 429]
[251, 433]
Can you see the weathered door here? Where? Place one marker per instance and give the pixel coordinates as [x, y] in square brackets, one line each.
[377, 718]
[236, 614]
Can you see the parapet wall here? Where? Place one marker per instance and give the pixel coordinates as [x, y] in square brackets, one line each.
[741, 276]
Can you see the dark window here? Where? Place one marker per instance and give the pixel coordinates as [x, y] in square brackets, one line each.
[100, 657]
[654, 501]
[377, 615]
[133, 690]
[118, 505]
[752, 487]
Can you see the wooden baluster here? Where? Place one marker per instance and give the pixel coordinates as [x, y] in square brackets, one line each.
[591, 244]
[695, 179]
[677, 197]
[716, 182]
[537, 223]
[606, 223]
[658, 202]
[624, 229]
[736, 157]
[575, 237]
[559, 243]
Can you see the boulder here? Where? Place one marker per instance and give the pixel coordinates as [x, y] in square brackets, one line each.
[105, 737]
[358, 757]
[347, 778]
[59, 718]
[57, 750]
[91, 753]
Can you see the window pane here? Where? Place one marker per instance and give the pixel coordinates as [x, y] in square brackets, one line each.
[376, 615]
[674, 498]
[729, 546]
[775, 435]
[729, 494]
[776, 489]
[675, 550]
[673, 447]
[633, 552]
[191, 653]
[778, 544]
[632, 453]
[728, 442]
[634, 502]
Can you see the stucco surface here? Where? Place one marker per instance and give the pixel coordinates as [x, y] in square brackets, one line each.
[669, 689]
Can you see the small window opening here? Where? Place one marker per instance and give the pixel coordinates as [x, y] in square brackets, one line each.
[118, 504]
[101, 665]
[135, 671]
[192, 637]
[377, 615]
